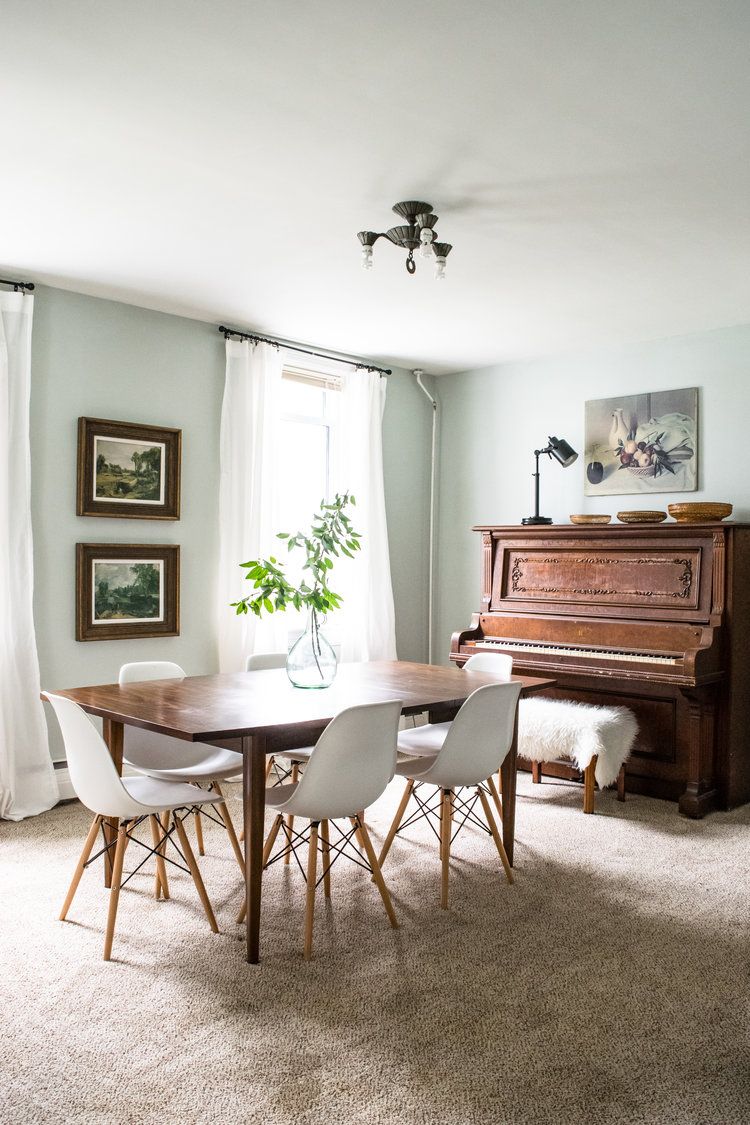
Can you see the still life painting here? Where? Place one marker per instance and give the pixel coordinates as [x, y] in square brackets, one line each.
[642, 443]
[128, 470]
[127, 590]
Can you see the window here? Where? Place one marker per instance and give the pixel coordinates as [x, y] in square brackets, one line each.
[306, 458]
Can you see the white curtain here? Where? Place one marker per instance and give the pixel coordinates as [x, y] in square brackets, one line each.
[366, 620]
[27, 779]
[249, 437]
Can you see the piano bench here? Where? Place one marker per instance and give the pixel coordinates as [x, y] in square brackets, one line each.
[598, 740]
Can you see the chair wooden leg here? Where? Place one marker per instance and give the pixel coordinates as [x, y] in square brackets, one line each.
[194, 871]
[495, 834]
[271, 838]
[377, 874]
[162, 885]
[445, 845]
[165, 818]
[312, 871]
[536, 773]
[224, 813]
[199, 833]
[326, 858]
[396, 823]
[290, 818]
[589, 784]
[621, 784]
[87, 849]
[269, 767]
[495, 796]
[114, 893]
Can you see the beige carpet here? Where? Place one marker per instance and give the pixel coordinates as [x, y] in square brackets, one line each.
[610, 984]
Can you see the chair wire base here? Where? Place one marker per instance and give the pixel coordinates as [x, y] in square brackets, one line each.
[295, 840]
[130, 826]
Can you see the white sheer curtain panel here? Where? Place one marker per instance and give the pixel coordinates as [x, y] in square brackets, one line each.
[247, 501]
[27, 779]
[366, 620]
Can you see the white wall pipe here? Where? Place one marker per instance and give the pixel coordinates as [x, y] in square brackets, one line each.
[418, 373]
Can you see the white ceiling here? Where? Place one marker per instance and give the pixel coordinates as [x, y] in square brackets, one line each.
[589, 160]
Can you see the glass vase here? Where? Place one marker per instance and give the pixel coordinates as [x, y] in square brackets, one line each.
[311, 662]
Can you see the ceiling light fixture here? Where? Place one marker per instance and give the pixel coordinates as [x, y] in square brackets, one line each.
[417, 233]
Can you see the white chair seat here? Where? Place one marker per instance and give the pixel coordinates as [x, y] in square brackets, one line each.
[156, 795]
[218, 764]
[413, 767]
[278, 796]
[420, 741]
[302, 754]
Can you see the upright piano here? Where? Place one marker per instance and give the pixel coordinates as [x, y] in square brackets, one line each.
[654, 617]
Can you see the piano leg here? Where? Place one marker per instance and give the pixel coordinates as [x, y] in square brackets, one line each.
[700, 794]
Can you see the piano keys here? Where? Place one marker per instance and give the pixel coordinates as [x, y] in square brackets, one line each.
[652, 617]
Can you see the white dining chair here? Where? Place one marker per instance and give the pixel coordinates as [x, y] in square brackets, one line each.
[129, 801]
[429, 738]
[474, 746]
[263, 661]
[349, 768]
[173, 759]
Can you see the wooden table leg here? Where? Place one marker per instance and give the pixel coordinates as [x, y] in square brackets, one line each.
[254, 800]
[508, 784]
[114, 736]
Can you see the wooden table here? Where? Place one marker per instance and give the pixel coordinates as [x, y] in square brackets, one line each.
[266, 715]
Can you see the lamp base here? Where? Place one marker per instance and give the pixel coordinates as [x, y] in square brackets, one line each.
[532, 520]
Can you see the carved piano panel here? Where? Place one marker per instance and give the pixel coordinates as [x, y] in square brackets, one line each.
[653, 618]
[622, 580]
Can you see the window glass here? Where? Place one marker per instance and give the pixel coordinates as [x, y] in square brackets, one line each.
[305, 456]
[302, 398]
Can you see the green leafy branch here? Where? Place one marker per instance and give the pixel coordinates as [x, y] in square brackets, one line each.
[331, 535]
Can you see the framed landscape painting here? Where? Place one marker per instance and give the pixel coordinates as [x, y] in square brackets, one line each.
[128, 470]
[642, 443]
[127, 590]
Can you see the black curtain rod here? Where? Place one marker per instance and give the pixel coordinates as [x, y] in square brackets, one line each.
[24, 286]
[227, 332]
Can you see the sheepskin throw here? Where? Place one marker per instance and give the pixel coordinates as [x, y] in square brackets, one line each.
[556, 728]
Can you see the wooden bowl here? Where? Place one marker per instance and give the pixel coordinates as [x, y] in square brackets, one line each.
[699, 513]
[641, 517]
[587, 518]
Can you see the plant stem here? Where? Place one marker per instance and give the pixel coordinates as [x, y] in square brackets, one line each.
[315, 640]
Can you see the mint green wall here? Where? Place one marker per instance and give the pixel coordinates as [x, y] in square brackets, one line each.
[109, 360]
[493, 419]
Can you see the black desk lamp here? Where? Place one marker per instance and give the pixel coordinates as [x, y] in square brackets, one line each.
[562, 452]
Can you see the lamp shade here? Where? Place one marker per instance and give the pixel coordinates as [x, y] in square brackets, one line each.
[562, 452]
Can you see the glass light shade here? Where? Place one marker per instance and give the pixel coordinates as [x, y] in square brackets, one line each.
[367, 257]
[440, 269]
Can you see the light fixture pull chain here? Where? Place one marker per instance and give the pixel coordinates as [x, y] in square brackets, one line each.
[411, 265]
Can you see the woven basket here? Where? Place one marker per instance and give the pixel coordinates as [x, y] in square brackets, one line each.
[642, 470]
